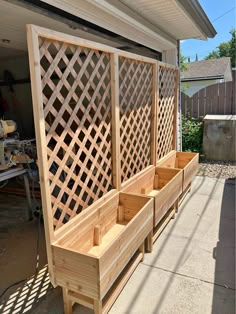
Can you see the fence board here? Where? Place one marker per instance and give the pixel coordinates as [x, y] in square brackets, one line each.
[214, 99]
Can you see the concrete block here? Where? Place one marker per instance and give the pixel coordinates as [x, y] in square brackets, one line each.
[219, 137]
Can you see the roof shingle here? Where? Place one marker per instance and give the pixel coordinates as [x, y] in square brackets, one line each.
[206, 68]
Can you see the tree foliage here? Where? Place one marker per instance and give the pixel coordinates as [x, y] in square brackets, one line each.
[192, 135]
[183, 64]
[225, 49]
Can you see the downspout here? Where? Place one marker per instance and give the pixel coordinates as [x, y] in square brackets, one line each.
[179, 124]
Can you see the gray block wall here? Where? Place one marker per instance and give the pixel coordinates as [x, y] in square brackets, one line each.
[219, 137]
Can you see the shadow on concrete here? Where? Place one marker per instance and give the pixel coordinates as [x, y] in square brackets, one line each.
[28, 294]
[224, 257]
[224, 252]
[168, 238]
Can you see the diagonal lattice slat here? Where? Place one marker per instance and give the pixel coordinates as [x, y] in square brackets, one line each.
[166, 110]
[135, 93]
[76, 89]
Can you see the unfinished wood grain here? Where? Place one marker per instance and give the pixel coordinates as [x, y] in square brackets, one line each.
[190, 167]
[97, 306]
[155, 100]
[96, 111]
[97, 235]
[163, 223]
[166, 187]
[76, 272]
[75, 124]
[182, 160]
[167, 110]
[149, 242]
[120, 282]
[81, 236]
[156, 182]
[37, 97]
[90, 268]
[136, 91]
[176, 104]
[80, 111]
[121, 213]
[81, 299]
[115, 121]
[118, 255]
[67, 301]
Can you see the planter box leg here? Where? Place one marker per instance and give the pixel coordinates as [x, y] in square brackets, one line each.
[173, 210]
[67, 302]
[177, 206]
[189, 187]
[97, 305]
[142, 250]
[149, 242]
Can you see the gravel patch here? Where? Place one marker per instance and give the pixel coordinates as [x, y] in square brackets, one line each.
[217, 169]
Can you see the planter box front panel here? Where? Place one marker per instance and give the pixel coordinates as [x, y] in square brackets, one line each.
[189, 162]
[139, 226]
[75, 271]
[169, 189]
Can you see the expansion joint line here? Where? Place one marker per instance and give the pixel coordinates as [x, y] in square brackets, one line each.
[190, 277]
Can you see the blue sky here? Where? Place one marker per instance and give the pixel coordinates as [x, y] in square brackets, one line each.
[214, 9]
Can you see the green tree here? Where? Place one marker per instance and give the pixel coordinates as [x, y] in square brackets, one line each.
[183, 63]
[225, 49]
[183, 67]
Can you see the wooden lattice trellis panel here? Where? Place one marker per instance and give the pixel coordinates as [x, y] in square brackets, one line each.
[96, 121]
[166, 110]
[135, 93]
[76, 91]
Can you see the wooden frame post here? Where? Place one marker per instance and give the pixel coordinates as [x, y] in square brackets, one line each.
[155, 96]
[174, 144]
[39, 122]
[157, 109]
[116, 173]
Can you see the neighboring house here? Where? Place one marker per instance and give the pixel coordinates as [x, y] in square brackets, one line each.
[203, 73]
[147, 27]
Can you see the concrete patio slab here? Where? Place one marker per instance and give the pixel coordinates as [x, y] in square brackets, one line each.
[191, 268]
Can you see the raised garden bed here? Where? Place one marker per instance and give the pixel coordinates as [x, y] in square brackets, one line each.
[162, 184]
[90, 256]
[186, 161]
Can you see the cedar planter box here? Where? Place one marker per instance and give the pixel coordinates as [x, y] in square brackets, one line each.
[90, 256]
[182, 160]
[162, 184]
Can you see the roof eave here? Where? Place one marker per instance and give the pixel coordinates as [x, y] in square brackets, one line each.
[197, 14]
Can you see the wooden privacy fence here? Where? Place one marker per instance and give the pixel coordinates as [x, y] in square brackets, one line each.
[215, 99]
